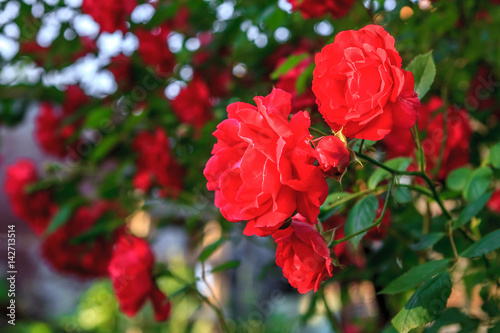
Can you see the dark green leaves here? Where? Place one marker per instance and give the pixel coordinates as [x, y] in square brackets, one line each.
[457, 179]
[427, 241]
[485, 245]
[361, 216]
[424, 72]
[426, 304]
[415, 276]
[227, 265]
[478, 183]
[400, 164]
[472, 210]
[495, 156]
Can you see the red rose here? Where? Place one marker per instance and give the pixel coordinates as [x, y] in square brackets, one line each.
[303, 255]
[153, 49]
[288, 82]
[494, 202]
[318, 8]
[262, 169]
[155, 165]
[87, 257]
[480, 95]
[74, 98]
[361, 87]
[51, 134]
[456, 150]
[333, 155]
[36, 208]
[121, 68]
[131, 273]
[111, 15]
[192, 105]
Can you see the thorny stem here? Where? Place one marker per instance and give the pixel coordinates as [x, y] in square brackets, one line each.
[377, 221]
[422, 175]
[215, 308]
[331, 317]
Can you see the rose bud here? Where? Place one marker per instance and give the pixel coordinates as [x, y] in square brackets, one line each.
[333, 156]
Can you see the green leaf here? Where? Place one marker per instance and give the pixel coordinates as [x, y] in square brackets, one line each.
[95, 117]
[399, 163]
[478, 183]
[227, 265]
[402, 195]
[104, 147]
[457, 179]
[304, 79]
[63, 215]
[415, 276]
[485, 245]
[424, 72]
[495, 156]
[289, 63]
[427, 241]
[362, 215]
[208, 250]
[425, 305]
[471, 210]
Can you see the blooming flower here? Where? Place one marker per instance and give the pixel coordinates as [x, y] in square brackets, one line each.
[131, 273]
[361, 87]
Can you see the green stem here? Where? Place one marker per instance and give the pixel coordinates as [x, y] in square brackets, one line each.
[418, 143]
[318, 131]
[377, 221]
[352, 196]
[420, 174]
[331, 317]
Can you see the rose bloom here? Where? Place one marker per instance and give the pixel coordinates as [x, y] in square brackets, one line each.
[153, 49]
[303, 255]
[288, 82]
[131, 273]
[319, 8]
[36, 208]
[456, 150]
[262, 169]
[74, 98]
[111, 15]
[156, 165]
[333, 156]
[50, 133]
[361, 87]
[192, 105]
[480, 95]
[88, 257]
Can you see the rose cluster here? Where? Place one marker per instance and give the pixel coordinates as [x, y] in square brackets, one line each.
[267, 170]
[91, 243]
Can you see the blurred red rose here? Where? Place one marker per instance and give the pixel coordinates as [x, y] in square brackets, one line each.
[319, 8]
[494, 202]
[262, 169]
[480, 95]
[111, 15]
[361, 87]
[131, 273]
[121, 68]
[288, 82]
[50, 132]
[333, 155]
[153, 49]
[303, 255]
[74, 98]
[86, 257]
[36, 208]
[192, 105]
[156, 165]
[456, 150]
